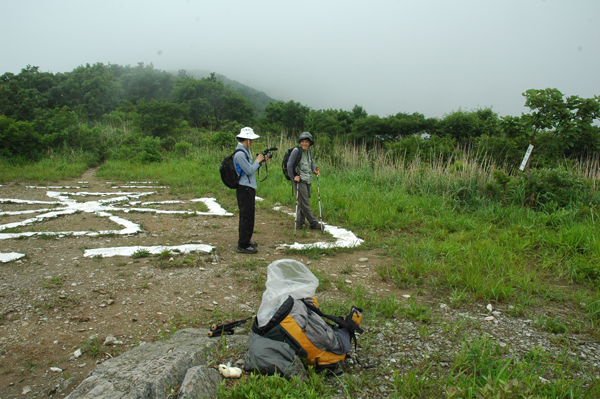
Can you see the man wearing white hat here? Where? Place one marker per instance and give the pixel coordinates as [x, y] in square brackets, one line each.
[246, 191]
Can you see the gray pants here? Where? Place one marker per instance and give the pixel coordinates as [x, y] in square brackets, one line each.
[303, 192]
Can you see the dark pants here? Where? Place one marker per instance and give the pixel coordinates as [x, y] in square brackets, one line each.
[245, 199]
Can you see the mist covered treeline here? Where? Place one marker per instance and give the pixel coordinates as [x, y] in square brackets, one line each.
[141, 113]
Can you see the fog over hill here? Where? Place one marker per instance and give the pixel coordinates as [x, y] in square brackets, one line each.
[258, 97]
[431, 57]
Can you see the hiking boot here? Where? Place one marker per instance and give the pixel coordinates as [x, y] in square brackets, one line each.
[254, 244]
[302, 226]
[317, 226]
[249, 250]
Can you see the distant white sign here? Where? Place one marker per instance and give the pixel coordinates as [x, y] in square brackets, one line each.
[526, 157]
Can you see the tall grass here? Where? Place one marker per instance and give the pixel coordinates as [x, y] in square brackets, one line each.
[434, 218]
[56, 166]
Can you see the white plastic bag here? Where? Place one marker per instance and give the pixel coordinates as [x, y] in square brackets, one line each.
[285, 277]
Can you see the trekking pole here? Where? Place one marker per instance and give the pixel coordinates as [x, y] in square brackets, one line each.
[320, 214]
[296, 214]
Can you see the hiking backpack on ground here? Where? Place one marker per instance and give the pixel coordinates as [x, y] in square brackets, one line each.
[300, 324]
[228, 172]
[289, 314]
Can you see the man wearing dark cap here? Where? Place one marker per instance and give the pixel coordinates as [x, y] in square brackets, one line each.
[301, 168]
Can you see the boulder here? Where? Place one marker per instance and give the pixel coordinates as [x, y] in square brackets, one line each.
[200, 382]
[155, 370]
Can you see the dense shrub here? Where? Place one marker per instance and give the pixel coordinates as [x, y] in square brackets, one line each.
[505, 151]
[182, 148]
[149, 150]
[223, 139]
[18, 139]
[412, 147]
[556, 185]
[547, 188]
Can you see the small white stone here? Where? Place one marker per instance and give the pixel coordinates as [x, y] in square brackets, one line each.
[55, 369]
[77, 353]
[489, 307]
[489, 318]
[406, 296]
[363, 259]
[110, 340]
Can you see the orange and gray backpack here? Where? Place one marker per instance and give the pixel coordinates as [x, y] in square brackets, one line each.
[301, 324]
[289, 320]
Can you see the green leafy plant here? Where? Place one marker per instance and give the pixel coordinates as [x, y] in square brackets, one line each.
[141, 253]
[267, 387]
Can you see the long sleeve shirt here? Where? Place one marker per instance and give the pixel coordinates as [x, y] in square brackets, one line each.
[244, 167]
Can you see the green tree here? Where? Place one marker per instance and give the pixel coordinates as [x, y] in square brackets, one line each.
[25, 94]
[160, 118]
[371, 129]
[210, 103]
[237, 108]
[90, 90]
[324, 122]
[464, 126]
[411, 124]
[291, 115]
[145, 82]
[18, 139]
[562, 123]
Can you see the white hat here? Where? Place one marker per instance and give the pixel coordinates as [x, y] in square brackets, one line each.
[247, 133]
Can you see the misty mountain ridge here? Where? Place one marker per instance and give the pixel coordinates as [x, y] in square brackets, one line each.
[259, 98]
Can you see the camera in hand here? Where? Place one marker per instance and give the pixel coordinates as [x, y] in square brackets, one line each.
[267, 152]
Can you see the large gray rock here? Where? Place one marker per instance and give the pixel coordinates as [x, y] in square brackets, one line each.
[154, 370]
[200, 382]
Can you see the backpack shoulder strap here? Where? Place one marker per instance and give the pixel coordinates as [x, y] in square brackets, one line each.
[233, 157]
[350, 325]
[347, 323]
[299, 148]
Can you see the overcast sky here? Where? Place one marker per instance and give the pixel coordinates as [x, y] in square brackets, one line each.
[426, 56]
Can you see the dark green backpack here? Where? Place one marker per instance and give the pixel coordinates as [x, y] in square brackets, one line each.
[286, 159]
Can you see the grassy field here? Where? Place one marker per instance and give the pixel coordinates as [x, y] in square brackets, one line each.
[441, 233]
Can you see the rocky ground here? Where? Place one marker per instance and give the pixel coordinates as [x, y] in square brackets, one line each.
[55, 299]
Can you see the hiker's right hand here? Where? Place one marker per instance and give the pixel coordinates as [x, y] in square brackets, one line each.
[297, 179]
[260, 158]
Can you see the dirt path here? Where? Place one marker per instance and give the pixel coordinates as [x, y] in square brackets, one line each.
[55, 299]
